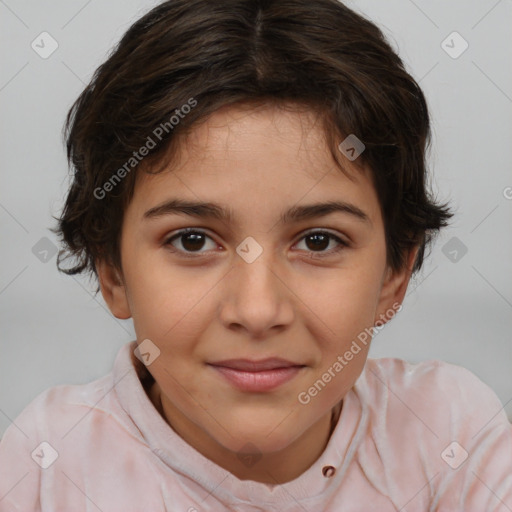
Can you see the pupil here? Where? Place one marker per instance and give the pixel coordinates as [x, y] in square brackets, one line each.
[192, 241]
[319, 241]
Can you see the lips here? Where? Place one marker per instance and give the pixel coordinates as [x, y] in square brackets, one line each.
[249, 365]
[257, 376]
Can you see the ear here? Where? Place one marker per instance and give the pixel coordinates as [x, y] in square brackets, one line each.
[393, 290]
[113, 290]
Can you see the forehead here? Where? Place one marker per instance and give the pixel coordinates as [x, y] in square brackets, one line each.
[257, 159]
[288, 130]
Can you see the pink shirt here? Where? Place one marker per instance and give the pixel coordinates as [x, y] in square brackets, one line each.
[400, 444]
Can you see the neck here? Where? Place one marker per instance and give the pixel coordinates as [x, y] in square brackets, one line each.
[272, 468]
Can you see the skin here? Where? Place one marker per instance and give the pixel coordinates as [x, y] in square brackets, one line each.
[297, 300]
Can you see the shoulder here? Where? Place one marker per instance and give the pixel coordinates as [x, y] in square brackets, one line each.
[33, 440]
[427, 378]
[437, 419]
[64, 431]
[63, 411]
[56, 408]
[433, 394]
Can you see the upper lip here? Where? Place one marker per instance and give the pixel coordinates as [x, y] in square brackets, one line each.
[252, 365]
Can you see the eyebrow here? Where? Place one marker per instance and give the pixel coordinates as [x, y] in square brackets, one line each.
[215, 211]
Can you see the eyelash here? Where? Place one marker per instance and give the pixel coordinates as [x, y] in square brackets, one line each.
[342, 244]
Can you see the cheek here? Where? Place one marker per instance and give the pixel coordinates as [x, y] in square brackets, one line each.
[344, 306]
[166, 302]
[344, 300]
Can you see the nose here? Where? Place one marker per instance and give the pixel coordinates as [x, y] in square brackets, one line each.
[258, 299]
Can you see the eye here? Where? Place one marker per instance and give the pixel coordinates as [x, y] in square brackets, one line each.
[318, 241]
[191, 241]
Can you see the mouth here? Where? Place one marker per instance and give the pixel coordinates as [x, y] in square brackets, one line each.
[257, 376]
[252, 365]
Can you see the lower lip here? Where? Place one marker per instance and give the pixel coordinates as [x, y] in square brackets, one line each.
[258, 381]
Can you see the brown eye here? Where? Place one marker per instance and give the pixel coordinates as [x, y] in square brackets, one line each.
[190, 240]
[319, 241]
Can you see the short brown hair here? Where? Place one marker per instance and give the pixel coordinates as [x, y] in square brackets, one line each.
[316, 53]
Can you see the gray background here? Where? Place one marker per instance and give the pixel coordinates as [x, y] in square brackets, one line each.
[54, 331]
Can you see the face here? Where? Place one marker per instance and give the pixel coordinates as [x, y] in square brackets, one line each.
[263, 282]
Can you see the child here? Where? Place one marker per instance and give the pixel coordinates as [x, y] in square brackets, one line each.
[287, 142]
